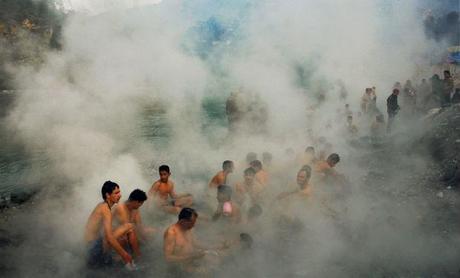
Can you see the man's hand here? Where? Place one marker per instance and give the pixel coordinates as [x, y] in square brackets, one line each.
[127, 258]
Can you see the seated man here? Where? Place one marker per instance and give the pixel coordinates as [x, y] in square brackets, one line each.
[221, 176]
[303, 181]
[128, 212]
[163, 188]
[261, 174]
[308, 157]
[99, 235]
[226, 209]
[249, 186]
[180, 247]
[325, 169]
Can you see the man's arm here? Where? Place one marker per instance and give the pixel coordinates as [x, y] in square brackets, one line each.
[123, 217]
[168, 249]
[107, 223]
[153, 190]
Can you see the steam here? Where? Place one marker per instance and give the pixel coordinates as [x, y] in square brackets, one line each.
[86, 108]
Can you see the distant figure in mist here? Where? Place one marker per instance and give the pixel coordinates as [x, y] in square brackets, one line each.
[447, 88]
[128, 212]
[378, 126]
[308, 157]
[267, 160]
[261, 174]
[250, 157]
[325, 169]
[164, 195]
[392, 108]
[234, 110]
[221, 176]
[99, 234]
[410, 98]
[303, 181]
[351, 127]
[226, 210]
[249, 187]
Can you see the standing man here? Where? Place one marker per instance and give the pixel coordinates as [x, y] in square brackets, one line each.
[99, 236]
[392, 108]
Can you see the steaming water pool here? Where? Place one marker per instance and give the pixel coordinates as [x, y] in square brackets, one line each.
[20, 169]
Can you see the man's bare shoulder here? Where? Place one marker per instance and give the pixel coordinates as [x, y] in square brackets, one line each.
[171, 231]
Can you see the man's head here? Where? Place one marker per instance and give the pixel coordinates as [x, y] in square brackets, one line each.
[164, 173]
[228, 166]
[310, 150]
[303, 176]
[423, 80]
[333, 159]
[187, 218]
[251, 157]
[256, 165]
[137, 198]
[254, 212]
[224, 193]
[111, 192]
[350, 119]
[447, 74]
[246, 241]
[267, 158]
[395, 91]
[347, 106]
[249, 175]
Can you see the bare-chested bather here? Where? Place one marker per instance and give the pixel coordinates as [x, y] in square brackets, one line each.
[221, 176]
[180, 247]
[303, 181]
[226, 209]
[163, 194]
[248, 187]
[99, 235]
[261, 174]
[128, 212]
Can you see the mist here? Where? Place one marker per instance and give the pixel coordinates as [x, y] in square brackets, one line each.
[131, 89]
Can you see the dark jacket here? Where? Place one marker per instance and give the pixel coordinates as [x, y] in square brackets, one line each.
[392, 104]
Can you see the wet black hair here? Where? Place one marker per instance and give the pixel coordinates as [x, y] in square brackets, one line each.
[164, 168]
[310, 149]
[246, 240]
[255, 211]
[249, 171]
[108, 187]
[256, 164]
[227, 165]
[334, 158]
[137, 195]
[187, 213]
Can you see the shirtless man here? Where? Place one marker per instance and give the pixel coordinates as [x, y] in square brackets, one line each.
[249, 186]
[303, 181]
[221, 176]
[163, 188]
[326, 168]
[308, 157]
[128, 212]
[180, 246]
[99, 236]
[261, 174]
[226, 209]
